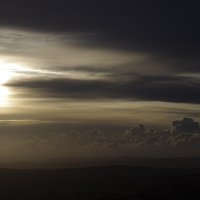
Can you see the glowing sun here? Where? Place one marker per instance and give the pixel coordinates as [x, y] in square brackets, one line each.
[5, 74]
[8, 70]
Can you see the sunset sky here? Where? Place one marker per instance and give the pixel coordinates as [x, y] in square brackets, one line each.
[76, 65]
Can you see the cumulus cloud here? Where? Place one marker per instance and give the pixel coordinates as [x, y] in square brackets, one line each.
[183, 132]
[185, 125]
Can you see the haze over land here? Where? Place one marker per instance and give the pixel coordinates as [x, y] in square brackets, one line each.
[77, 77]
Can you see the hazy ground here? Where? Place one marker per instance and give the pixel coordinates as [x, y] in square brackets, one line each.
[100, 183]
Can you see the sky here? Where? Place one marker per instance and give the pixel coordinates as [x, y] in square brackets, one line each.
[89, 71]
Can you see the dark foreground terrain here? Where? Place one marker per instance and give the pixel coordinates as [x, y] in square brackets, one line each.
[100, 183]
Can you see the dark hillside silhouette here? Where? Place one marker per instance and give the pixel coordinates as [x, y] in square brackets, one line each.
[100, 183]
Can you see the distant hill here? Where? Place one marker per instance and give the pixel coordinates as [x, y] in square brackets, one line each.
[58, 163]
[100, 183]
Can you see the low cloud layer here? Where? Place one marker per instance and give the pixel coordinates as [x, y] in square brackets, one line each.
[182, 139]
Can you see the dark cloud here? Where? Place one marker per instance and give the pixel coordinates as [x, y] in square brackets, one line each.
[183, 132]
[185, 125]
[149, 88]
[161, 27]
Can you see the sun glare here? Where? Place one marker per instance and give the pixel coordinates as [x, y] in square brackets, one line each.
[4, 91]
[9, 70]
[6, 73]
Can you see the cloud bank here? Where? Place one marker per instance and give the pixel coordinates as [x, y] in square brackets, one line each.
[183, 139]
